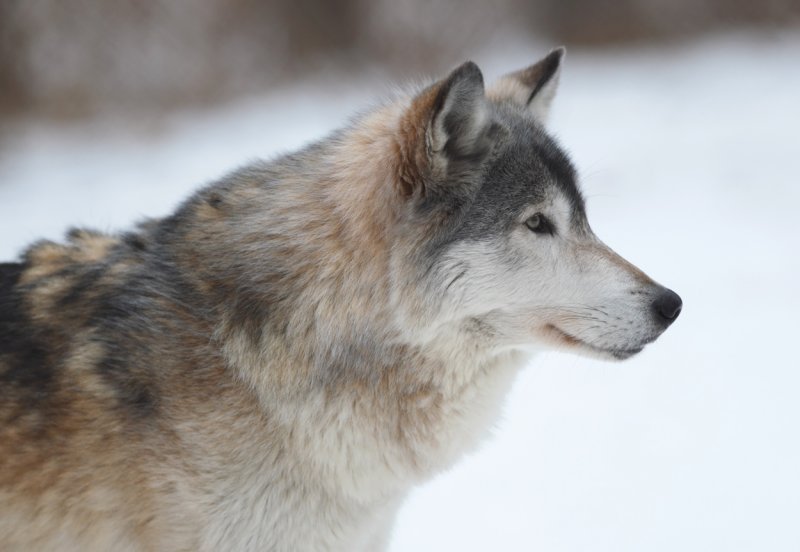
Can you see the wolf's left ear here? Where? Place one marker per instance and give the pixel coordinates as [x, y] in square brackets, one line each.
[448, 130]
[533, 87]
[460, 116]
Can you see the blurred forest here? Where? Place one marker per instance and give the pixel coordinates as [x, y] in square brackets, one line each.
[72, 59]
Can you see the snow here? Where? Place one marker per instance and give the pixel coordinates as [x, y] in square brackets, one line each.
[689, 159]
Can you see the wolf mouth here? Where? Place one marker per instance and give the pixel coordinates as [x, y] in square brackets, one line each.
[618, 353]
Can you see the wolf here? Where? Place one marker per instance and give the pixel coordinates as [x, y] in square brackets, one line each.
[277, 363]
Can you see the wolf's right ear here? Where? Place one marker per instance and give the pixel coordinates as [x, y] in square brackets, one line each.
[533, 87]
[448, 130]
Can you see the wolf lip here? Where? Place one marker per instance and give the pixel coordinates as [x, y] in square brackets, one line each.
[620, 354]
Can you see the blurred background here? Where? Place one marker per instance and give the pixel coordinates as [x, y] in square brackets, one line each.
[682, 118]
[74, 59]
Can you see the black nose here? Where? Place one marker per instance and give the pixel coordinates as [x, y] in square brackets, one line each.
[667, 306]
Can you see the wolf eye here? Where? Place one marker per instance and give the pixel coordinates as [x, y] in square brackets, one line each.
[539, 224]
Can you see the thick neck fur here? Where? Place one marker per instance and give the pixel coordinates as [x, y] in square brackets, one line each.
[318, 315]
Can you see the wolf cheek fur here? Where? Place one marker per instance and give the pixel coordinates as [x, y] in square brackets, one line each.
[276, 364]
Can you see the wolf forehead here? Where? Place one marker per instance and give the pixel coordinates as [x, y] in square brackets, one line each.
[527, 169]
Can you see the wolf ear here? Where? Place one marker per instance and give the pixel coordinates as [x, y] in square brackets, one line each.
[533, 87]
[458, 129]
[449, 129]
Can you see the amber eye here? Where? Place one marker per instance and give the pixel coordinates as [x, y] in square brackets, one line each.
[539, 224]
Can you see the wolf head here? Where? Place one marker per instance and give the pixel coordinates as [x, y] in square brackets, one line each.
[446, 219]
[496, 230]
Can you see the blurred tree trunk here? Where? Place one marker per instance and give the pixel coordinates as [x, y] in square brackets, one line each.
[13, 93]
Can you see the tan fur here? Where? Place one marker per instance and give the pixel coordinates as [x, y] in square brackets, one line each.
[272, 367]
[89, 478]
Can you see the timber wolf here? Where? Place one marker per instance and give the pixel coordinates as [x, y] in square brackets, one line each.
[277, 363]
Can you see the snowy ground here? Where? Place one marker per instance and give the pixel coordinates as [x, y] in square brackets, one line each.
[689, 158]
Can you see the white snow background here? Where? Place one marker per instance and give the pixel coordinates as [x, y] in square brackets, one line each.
[689, 158]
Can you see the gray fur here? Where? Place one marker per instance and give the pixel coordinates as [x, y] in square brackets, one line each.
[275, 365]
